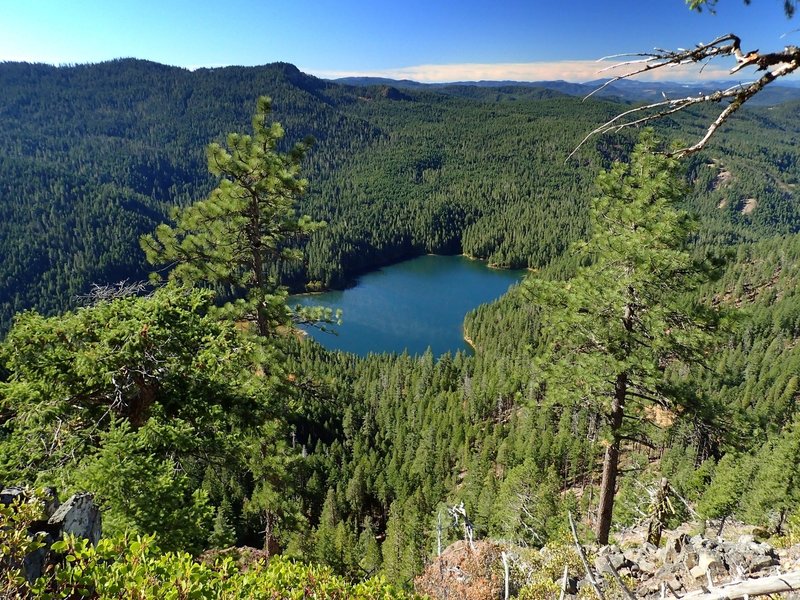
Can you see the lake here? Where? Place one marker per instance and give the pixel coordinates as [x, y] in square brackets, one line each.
[410, 305]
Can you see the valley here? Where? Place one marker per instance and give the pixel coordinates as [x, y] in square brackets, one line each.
[192, 425]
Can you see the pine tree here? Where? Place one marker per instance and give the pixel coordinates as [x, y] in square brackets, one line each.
[223, 535]
[234, 238]
[774, 492]
[611, 332]
[368, 549]
[724, 495]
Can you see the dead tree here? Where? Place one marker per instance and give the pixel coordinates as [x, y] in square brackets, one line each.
[774, 65]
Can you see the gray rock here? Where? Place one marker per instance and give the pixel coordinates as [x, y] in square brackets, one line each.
[79, 516]
[33, 564]
[709, 562]
[673, 548]
[51, 502]
[647, 566]
[668, 570]
[611, 556]
[571, 587]
[761, 548]
[760, 562]
[10, 494]
[745, 540]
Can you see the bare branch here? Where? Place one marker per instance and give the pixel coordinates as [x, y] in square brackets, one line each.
[776, 64]
[112, 291]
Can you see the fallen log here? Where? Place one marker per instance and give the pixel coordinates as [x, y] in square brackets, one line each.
[774, 584]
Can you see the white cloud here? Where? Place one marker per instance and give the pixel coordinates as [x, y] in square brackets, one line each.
[569, 70]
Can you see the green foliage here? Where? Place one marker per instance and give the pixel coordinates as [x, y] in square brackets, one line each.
[725, 491]
[143, 493]
[223, 534]
[134, 567]
[529, 510]
[627, 310]
[322, 455]
[94, 156]
[759, 487]
[131, 359]
[544, 567]
[16, 544]
[235, 237]
[157, 406]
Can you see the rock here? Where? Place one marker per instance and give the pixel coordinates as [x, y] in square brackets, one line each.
[668, 570]
[79, 516]
[709, 562]
[761, 548]
[649, 548]
[674, 546]
[745, 540]
[571, 585]
[610, 555]
[10, 494]
[760, 562]
[51, 503]
[647, 566]
[33, 565]
[689, 558]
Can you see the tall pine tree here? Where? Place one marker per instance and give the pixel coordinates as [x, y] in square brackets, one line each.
[234, 238]
[613, 330]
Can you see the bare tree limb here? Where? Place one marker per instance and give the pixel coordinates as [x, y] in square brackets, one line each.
[112, 291]
[584, 560]
[754, 587]
[776, 64]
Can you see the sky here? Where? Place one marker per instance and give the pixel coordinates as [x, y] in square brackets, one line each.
[424, 40]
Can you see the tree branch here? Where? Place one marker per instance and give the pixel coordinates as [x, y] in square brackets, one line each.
[776, 64]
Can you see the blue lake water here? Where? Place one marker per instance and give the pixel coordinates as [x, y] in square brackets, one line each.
[410, 305]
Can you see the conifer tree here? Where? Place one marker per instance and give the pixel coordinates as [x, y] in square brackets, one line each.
[224, 534]
[368, 549]
[774, 492]
[234, 238]
[612, 331]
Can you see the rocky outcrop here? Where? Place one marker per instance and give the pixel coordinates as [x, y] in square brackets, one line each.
[689, 563]
[464, 572]
[682, 566]
[78, 516]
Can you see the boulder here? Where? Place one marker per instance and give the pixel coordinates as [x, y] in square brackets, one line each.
[10, 494]
[80, 517]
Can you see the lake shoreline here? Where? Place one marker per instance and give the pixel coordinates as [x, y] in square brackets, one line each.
[469, 341]
[412, 305]
[352, 280]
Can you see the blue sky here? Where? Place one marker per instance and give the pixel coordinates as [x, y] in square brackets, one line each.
[427, 40]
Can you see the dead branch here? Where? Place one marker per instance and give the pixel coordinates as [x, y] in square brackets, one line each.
[776, 64]
[584, 560]
[628, 594]
[112, 291]
[754, 587]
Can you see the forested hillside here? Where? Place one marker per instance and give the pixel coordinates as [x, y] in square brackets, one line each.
[192, 427]
[94, 156]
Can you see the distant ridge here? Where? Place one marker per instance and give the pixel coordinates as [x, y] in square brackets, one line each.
[626, 90]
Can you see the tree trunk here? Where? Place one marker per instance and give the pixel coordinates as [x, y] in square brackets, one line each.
[608, 485]
[259, 277]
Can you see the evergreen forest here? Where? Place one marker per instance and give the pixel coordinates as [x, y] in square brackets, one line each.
[655, 336]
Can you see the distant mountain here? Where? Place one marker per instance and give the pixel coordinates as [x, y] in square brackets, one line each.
[625, 90]
[93, 156]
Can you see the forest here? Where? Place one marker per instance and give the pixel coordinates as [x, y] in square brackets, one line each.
[197, 432]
